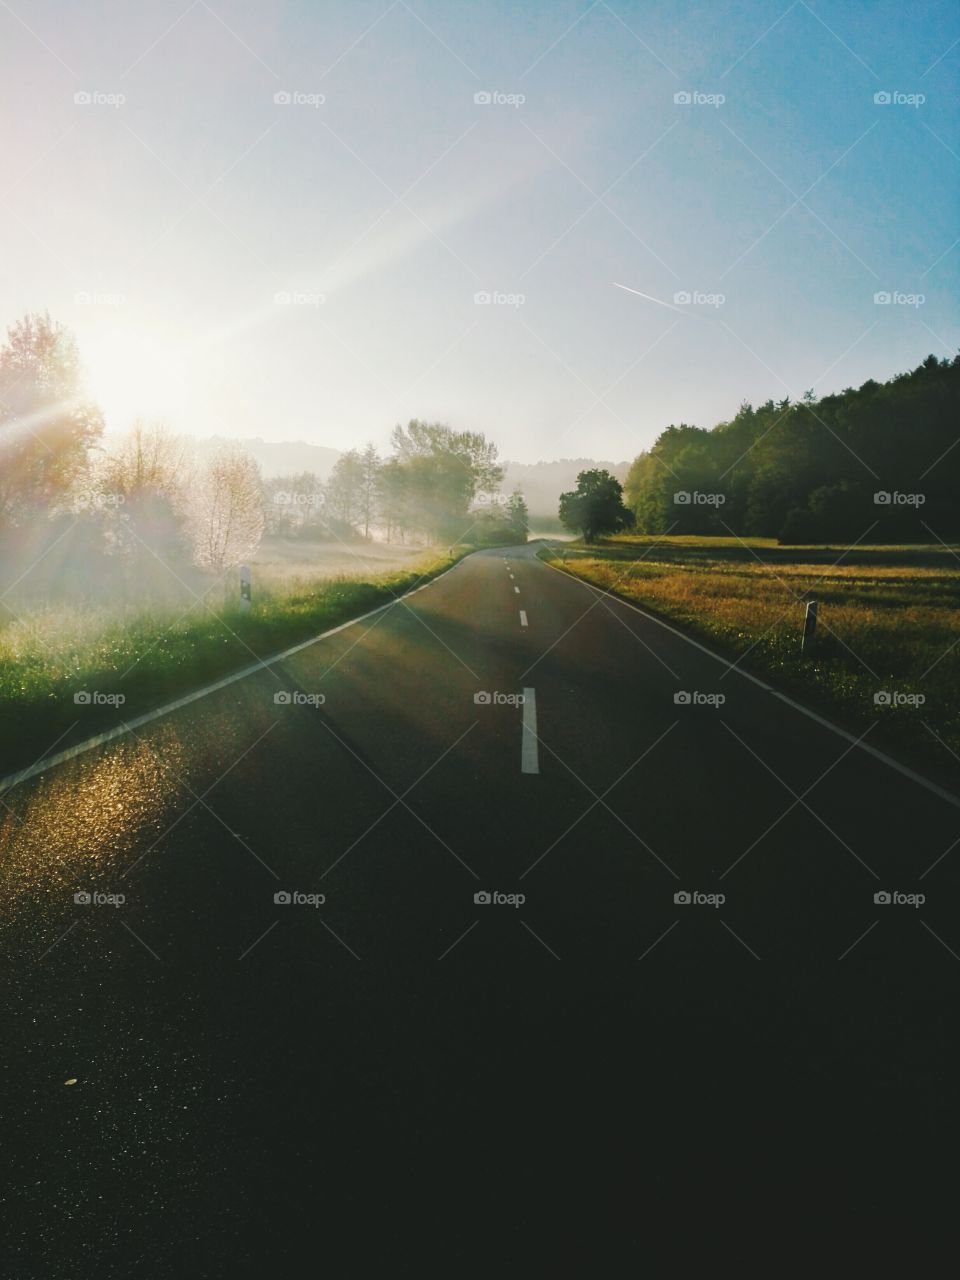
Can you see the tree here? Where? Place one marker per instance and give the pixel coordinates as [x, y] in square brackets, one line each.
[294, 505]
[148, 458]
[394, 509]
[518, 517]
[369, 486]
[444, 471]
[47, 425]
[595, 507]
[345, 490]
[227, 510]
[140, 488]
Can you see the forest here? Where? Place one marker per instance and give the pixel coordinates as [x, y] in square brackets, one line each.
[875, 463]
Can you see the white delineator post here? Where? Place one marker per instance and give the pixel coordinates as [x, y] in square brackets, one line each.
[809, 626]
[530, 743]
[244, 588]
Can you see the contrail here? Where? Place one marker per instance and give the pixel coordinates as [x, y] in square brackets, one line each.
[668, 305]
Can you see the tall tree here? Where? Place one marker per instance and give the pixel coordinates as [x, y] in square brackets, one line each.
[518, 517]
[148, 458]
[595, 507]
[142, 486]
[445, 470]
[47, 422]
[294, 505]
[370, 469]
[227, 510]
[345, 502]
[394, 500]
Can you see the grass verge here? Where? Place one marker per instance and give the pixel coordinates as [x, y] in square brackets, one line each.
[887, 650]
[149, 658]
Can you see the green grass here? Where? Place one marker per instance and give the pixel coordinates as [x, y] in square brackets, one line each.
[889, 621]
[153, 656]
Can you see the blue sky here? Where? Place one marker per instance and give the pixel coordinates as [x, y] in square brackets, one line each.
[308, 270]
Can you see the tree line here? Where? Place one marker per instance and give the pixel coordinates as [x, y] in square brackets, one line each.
[147, 498]
[438, 485]
[878, 459]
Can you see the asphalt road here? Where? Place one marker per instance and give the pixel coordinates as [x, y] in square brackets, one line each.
[405, 1080]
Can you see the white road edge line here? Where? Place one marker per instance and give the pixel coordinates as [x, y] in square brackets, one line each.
[903, 769]
[530, 743]
[120, 731]
[523, 617]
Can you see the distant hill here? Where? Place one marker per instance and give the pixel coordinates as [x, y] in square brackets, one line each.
[279, 459]
[543, 482]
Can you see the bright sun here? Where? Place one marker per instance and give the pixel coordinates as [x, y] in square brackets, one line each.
[132, 376]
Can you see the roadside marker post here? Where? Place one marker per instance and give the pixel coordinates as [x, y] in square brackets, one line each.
[530, 743]
[245, 588]
[809, 627]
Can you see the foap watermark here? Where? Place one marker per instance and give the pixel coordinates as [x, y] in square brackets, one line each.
[694, 898]
[684, 698]
[297, 298]
[93, 898]
[87, 299]
[894, 898]
[286, 499]
[894, 498]
[100, 502]
[695, 98]
[494, 98]
[684, 498]
[494, 898]
[697, 298]
[294, 98]
[485, 299]
[96, 98]
[896, 98]
[495, 699]
[896, 298]
[294, 898]
[894, 698]
[296, 698]
[94, 698]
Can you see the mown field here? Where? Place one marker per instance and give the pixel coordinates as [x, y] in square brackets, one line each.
[889, 624]
[51, 651]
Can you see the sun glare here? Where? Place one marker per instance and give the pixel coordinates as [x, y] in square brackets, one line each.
[130, 376]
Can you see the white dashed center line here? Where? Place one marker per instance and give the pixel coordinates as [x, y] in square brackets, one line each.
[523, 618]
[529, 753]
[516, 590]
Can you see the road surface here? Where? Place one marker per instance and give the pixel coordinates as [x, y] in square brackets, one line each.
[579, 1070]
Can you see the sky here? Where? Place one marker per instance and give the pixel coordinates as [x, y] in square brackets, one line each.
[282, 219]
